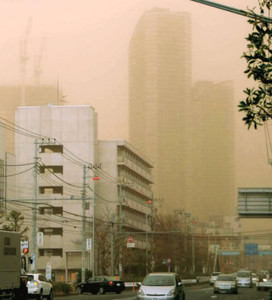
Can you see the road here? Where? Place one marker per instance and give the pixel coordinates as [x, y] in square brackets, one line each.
[204, 292]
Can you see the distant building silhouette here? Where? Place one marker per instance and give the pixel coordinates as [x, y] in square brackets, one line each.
[10, 98]
[213, 169]
[160, 99]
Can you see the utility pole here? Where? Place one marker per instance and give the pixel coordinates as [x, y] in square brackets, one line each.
[34, 215]
[83, 242]
[193, 246]
[112, 245]
[93, 239]
[120, 228]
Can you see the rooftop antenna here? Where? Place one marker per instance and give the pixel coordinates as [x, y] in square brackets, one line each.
[23, 60]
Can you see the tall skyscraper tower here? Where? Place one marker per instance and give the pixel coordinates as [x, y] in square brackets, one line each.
[213, 140]
[159, 101]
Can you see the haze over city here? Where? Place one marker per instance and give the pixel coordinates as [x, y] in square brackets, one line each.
[86, 48]
[86, 52]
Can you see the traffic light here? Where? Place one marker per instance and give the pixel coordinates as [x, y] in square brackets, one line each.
[25, 250]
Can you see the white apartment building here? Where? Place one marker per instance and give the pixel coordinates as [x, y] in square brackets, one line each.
[125, 189]
[61, 142]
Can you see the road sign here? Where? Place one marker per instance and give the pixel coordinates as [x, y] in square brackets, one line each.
[130, 239]
[251, 249]
[24, 245]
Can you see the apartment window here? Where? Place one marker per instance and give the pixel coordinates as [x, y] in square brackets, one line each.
[51, 252]
[56, 210]
[49, 190]
[52, 230]
[51, 148]
[51, 169]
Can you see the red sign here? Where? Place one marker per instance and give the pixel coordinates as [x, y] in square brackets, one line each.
[130, 239]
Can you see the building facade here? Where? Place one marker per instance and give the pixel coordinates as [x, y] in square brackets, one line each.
[75, 187]
[54, 195]
[213, 150]
[159, 100]
[128, 179]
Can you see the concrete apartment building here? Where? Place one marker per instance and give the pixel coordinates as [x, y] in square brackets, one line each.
[128, 183]
[160, 99]
[68, 156]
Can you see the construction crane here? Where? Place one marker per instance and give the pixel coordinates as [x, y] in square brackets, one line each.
[37, 63]
[234, 10]
[23, 60]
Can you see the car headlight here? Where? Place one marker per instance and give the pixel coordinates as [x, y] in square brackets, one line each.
[171, 293]
[140, 292]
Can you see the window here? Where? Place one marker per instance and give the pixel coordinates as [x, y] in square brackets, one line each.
[51, 148]
[51, 169]
[49, 190]
[51, 252]
[56, 210]
[52, 230]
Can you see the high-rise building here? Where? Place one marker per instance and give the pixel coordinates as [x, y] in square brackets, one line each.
[213, 164]
[159, 100]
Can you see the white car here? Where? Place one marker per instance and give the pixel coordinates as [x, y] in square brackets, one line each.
[39, 287]
[213, 277]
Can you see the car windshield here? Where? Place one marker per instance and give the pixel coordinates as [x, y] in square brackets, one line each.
[159, 280]
[30, 277]
[243, 274]
[225, 278]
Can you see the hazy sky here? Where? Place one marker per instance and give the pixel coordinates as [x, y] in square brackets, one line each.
[86, 48]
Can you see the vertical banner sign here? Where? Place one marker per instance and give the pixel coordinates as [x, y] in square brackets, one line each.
[40, 239]
[48, 273]
[89, 244]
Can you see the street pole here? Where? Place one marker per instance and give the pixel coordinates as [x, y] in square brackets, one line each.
[193, 248]
[34, 214]
[93, 238]
[112, 246]
[83, 242]
[146, 252]
[120, 229]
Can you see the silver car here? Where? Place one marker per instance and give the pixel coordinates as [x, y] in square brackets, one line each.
[226, 283]
[244, 279]
[161, 286]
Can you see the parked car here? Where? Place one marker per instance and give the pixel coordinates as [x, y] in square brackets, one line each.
[161, 285]
[213, 277]
[264, 275]
[101, 285]
[225, 283]
[244, 279]
[265, 281]
[255, 278]
[39, 287]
